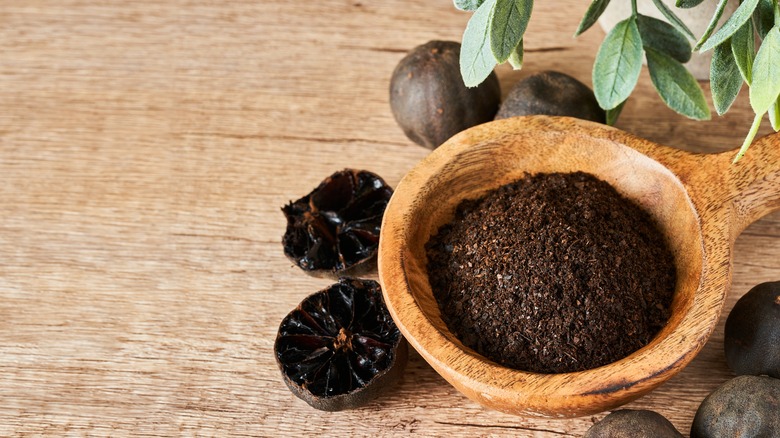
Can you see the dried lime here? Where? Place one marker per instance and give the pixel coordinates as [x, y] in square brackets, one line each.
[745, 406]
[554, 94]
[339, 348]
[752, 341]
[334, 230]
[429, 100]
[627, 423]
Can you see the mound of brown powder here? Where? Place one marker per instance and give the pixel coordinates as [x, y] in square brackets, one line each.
[553, 273]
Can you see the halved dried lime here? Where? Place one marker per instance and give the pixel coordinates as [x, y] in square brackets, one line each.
[339, 348]
[334, 230]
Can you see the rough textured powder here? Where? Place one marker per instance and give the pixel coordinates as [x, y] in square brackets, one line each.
[553, 273]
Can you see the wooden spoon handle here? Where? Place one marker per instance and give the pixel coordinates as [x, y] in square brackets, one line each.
[754, 182]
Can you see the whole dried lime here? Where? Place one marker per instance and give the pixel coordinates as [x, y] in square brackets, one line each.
[339, 348]
[334, 230]
[554, 94]
[627, 423]
[752, 340]
[429, 100]
[745, 406]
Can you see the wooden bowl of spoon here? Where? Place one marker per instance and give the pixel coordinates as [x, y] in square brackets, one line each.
[701, 202]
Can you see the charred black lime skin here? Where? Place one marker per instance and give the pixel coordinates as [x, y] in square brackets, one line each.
[552, 93]
[745, 406]
[628, 423]
[752, 340]
[309, 343]
[429, 100]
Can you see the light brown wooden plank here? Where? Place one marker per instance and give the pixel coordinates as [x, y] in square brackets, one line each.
[145, 150]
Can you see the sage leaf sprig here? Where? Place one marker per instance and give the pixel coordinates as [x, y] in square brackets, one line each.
[666, 47]
[735, 51]
[476, 57]
[673, 19]
[507, 26]
[743, 46]
[596, 8]
[725, 78]
[766, 87]
[618, 64]
[712, 24]
[493, 35]
[764, 17]
[663, 37]
[743, 13]
[676, 86]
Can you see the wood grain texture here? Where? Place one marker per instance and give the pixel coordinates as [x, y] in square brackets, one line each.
[145, 150]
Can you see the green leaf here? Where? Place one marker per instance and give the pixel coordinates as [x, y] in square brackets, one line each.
[516, 58]
[688, 3]
[476, 59]
[740, 16]
[662, 36]
[774, 115]
[593, 13]
[725, 80]
[743, 45]
[618, 63]
[764, 17]
[676, 86]
[614, 113]
[712, 24]
[766, 82]
[673, 19]
[507, 26]
[467, 5]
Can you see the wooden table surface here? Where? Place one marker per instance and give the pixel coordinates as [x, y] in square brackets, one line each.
[146, 148]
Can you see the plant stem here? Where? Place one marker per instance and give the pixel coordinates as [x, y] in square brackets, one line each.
[777, 12]
[634, 11]
[749, 139]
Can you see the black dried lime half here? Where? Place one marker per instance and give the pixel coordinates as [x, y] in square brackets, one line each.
[752, 341]
[334, 230]
[627, 423]
[339, 348]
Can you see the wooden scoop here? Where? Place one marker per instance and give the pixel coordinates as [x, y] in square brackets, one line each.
[701, 201]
